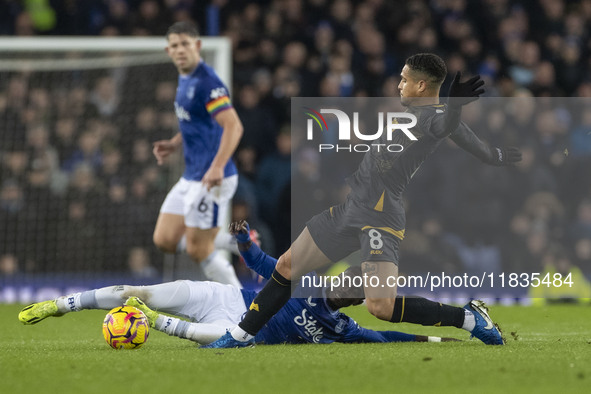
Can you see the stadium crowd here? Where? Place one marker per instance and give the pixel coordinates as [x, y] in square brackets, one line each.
[78, 181]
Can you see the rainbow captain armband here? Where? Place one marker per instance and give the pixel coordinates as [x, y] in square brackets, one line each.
[216, 106]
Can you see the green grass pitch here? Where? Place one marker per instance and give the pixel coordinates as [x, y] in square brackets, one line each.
[548, 351]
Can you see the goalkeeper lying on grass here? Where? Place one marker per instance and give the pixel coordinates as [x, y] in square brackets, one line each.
[214, 308]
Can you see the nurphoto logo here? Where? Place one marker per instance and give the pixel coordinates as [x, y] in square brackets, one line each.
[392, 120]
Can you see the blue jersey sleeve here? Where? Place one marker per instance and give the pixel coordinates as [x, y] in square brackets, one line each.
[259, 261]
[364, 335]
[215, 96]
[395, 336]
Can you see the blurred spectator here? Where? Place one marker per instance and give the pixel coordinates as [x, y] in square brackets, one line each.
[582, 224]
[79, 242]
[260, 127]
[23, 25]
[307, 190]
[527, 57]
[17, 222]
[428, 249]
[111, 165]
[580, 137]
[64, 137]
[273, 174]
[583, 254]
[88, 152]
[44, 159]
[105, 96]
[139, 264]
[12, 106]
[114, 216]
[118, 16]
[12, 200]
[150, 19]
[83, 182]
[14, 164]
[141, 155]
[8, 265]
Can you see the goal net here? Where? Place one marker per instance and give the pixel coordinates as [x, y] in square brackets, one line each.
[79, 188]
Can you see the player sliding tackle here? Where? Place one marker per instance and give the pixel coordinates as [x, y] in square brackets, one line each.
[219, 307]
[373, 217]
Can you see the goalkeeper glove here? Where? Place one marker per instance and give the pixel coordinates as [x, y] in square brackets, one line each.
[462, 93]
[506, 156]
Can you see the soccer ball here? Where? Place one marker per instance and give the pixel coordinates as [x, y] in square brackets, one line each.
[125, 327]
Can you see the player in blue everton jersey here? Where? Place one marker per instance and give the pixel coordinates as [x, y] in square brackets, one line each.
[200, 97]
[210, 131]
[213, 308]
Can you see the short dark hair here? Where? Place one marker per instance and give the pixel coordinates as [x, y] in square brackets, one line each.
[184, 27]
[429, 64]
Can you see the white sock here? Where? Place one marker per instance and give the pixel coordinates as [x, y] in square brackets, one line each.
[181, 247]
[240, 335]
[227, 242]
[69, 303]
[103, 298]
[469, 320]
[203, 333]
[216, 268]
[166, 324]
[78, 301]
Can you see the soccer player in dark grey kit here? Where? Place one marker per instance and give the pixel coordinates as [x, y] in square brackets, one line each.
[373, 218]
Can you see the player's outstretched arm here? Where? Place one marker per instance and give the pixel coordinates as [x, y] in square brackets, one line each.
[466, 139]
[364, 335]
[460, 94]
[255, 258]
[393, 336]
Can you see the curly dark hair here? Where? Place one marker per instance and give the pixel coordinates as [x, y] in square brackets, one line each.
[429, 64]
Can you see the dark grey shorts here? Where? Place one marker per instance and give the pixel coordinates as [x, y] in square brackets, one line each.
[351, 226]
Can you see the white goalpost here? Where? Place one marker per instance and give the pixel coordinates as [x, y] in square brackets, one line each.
[217, 52]
[76, 215]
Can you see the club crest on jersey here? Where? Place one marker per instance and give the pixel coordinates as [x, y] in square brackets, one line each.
[340, 326]
[191, 92]
[217, 93]
[181, 113]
